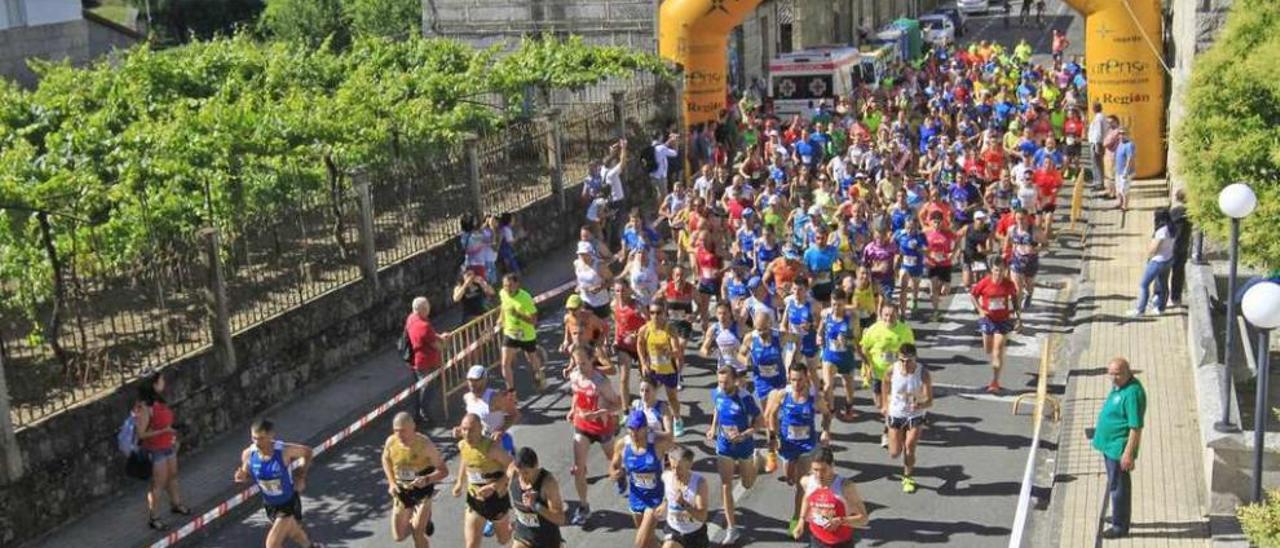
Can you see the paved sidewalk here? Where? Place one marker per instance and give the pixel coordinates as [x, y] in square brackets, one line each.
[1167, 499]
[120, 521]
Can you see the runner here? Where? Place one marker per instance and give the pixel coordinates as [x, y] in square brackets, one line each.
[906, 394]
[627, 321]
[656, 411]
[993, 297]
[1023, 243]
[637, 458]
[536, 502]
[412, 465]
[800, 329]
[832, 507]
[484, 465]
[687, 501]
[582, 327]
[269, 463]
[880, 344]
[820, 259]
[519, 329]
[593, 414]
[594, 280]
[977, 238]
[764, 352]
[735, 417]
[661, 358]
[941, 244]
[790, 415]
[724, 335]
[678, 297]
[497, 410]
[840, 333]
[911, 248]
[710, 269]
[878, 257]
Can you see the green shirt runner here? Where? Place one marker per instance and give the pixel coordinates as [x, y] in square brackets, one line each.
[512, 325]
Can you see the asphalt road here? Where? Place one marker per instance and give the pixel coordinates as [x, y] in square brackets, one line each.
[970, 460]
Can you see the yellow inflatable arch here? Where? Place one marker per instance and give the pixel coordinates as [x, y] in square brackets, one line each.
[695, 34]
[1125, 73]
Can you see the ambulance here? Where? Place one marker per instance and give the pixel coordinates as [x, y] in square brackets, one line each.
[798, 81]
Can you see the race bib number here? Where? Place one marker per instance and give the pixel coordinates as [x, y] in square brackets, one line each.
[818, 519]
[880, 266]
[888, 357]
[768, 370]
[629, 339]
[661, 360]
[1071, 140]
[729, 432]
[938, 256]
[797, 432]
[978, 266]
[645, 480]
[527, 519]
[271, 487]
[822, 278]
[1024, 249]
[997, 303]
[677, 314]
[406, 474]
[513, 332]
[909, 260]
[476, 478]
[835, 345]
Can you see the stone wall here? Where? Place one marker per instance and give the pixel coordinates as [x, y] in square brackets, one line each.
[78, 41]
[1192, 29]
[71, 458]
[485, 22]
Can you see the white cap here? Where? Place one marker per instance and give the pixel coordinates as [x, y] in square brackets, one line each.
[584, 248]
[476, 373]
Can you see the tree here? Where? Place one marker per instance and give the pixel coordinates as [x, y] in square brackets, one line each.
[307, 22]
[1231, 131]
[396, 19]
[178, 21]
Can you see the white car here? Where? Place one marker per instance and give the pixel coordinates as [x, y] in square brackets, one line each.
[938, 29]
[973, 6]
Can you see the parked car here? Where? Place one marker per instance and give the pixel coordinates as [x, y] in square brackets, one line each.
[958, 18]
[973, 6]
[938, 29]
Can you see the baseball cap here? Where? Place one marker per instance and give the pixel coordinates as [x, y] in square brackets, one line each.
[637, 420]
[574, 302]
[584, 248]
[979, 214]
[476, 372]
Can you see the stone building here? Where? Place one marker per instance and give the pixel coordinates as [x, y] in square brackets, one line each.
[53, 30]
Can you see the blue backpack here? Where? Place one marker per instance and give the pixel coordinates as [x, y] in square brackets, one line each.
[127, 438]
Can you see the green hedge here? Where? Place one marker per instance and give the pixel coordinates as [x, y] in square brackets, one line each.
[1231, 131]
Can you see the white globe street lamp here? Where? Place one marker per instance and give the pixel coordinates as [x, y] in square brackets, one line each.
[1261, 306]
[1236, 201]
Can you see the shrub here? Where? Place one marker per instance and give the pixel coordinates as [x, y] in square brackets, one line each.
[1231, 131]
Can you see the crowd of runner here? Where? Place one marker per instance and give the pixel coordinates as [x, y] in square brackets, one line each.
[795, 263]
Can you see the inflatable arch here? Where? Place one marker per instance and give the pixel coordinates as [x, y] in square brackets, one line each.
[1125, 73]
[695, 34]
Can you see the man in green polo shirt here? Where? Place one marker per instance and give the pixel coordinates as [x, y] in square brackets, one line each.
[519, 330]
[1117, 435]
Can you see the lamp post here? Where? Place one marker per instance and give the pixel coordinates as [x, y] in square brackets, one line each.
[1261, 306]
[1236, 201]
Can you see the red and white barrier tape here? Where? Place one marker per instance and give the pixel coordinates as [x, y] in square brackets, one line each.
[225, 507]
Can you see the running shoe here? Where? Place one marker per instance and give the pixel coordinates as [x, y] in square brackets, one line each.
[770, 462]
[1026, 303]
[488, 528]
[884, 440]
[539, 380]
[678, 428]
[791, 525]
[908, 484]
[580, 515]
[731, 535]
[994, 387]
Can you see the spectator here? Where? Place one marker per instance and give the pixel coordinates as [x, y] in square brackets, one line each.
[1124, 167]
[476, 246]
[663, 152]
[1109, 144]
[156, 437]
[424, 345]
[614, 165]
[1117, 436]
[471, 292]
[1160, 258]
[507, 244]
[1097, 131]
[1181, 225]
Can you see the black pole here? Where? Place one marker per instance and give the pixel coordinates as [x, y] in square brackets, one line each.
[1224, 425]
[1260, 411]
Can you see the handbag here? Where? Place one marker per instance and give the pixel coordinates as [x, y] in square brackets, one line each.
[138, 465]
